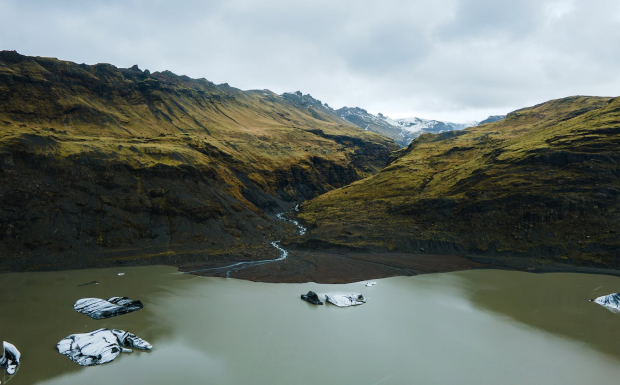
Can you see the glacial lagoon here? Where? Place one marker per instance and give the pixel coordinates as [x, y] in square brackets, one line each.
[470, 327]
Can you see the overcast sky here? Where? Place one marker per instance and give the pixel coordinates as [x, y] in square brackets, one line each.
[443, 59]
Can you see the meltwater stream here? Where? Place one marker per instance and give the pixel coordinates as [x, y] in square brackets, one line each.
[242, 265]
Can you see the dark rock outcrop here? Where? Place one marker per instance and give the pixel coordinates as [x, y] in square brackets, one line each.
[311, 297]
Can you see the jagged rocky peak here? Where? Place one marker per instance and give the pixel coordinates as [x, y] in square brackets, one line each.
[366, 120]
[352, 111]
[305, 100]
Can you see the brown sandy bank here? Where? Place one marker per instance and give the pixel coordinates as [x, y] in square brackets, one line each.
[332, 268]
[326, 267]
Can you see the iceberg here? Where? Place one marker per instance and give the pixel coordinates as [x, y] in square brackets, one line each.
[10, 357]
[345, 299]
[99, 308]
[611, 302]
[99, 347]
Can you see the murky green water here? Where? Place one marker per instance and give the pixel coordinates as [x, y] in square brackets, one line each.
[475, 327]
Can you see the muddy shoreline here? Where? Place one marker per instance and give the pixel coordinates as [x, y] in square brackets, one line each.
[338, 268]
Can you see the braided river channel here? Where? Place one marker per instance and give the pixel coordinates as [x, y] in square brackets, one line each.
[471, 327]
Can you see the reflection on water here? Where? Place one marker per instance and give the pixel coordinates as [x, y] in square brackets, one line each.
[475, 327]
[557, 303]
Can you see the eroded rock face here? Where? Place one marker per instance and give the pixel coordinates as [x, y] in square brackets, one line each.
[99, 347]
[10, 357]
[99, 309]
[611, 302]
[312, 297]
[345, 300]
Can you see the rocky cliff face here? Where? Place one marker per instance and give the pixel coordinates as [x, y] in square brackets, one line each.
[101, 165]
[538, 188]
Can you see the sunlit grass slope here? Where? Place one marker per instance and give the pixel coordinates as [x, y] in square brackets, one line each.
[542, 184]
[97, 160]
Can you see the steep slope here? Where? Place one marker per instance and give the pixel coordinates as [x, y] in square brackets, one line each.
[542, 184]
[101, 165]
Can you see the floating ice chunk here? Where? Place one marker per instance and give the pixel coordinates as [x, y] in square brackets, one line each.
[99, 347]
[312, 297]
[369, 284]
[346, 299]
[99, 309]
[10, 357]
[611, 302]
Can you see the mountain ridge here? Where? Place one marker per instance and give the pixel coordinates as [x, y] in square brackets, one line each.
[403, 130]
[103, 166]
[537, 188]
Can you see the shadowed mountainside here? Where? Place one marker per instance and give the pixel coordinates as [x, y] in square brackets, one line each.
[538, 188]
[101, 165]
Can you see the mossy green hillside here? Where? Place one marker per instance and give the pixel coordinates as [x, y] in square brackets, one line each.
[101, 164]
[542, 184]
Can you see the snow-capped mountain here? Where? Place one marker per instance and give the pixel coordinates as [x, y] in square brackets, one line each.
[376, 123]
[421, 126]
[403, 131]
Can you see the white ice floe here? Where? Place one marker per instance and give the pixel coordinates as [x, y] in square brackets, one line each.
[99, 347]
[343, 300]
[369, 284]
[611, 302]
[99, 309]
[10, 357]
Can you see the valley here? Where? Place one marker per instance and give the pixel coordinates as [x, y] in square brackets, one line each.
[104, 166]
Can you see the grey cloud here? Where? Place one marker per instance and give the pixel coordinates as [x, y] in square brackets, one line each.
[491, 18]
[449, 59]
